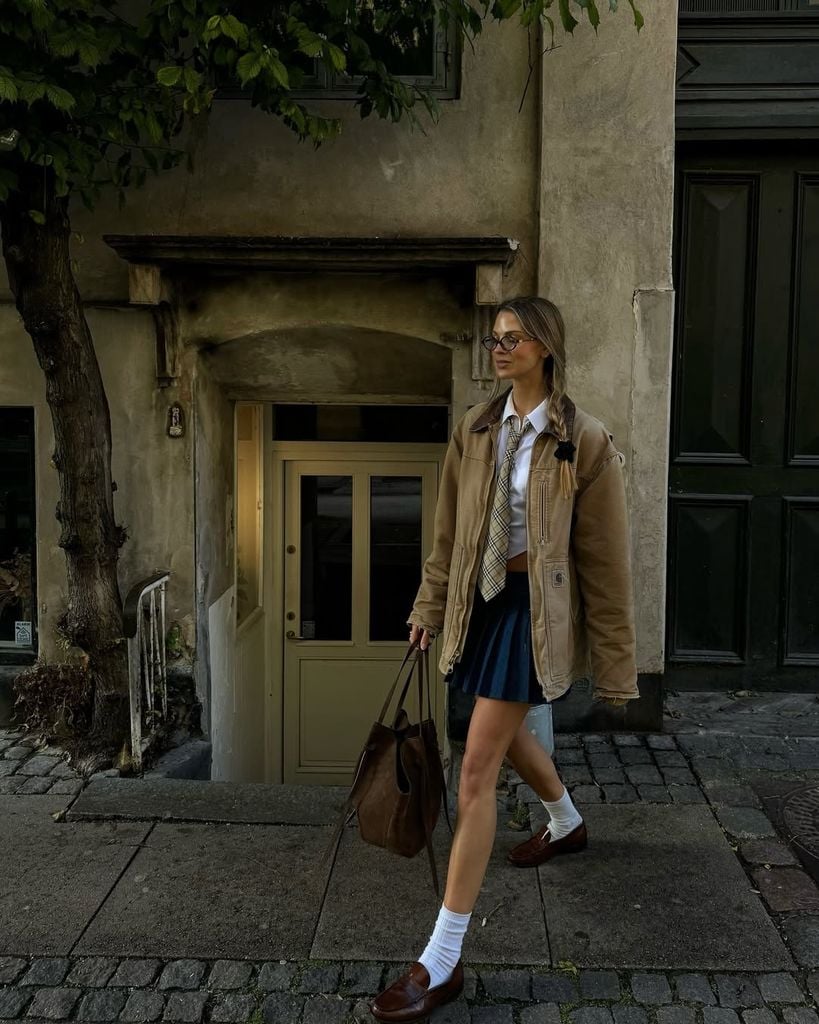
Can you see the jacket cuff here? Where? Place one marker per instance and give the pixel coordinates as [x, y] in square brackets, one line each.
[432, 630]
[608, 695]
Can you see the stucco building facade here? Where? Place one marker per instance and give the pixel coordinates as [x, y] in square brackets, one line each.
[315, 316]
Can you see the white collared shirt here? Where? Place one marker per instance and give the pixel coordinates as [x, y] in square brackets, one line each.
[538, 420]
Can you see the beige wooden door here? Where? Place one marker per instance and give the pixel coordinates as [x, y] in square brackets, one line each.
[356, 531]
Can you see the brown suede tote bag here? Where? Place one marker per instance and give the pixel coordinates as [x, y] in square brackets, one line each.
[399, 785]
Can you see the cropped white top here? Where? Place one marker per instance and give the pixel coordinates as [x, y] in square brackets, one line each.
[537, 420]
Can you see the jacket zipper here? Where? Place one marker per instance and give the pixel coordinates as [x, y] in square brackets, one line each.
[542, 511]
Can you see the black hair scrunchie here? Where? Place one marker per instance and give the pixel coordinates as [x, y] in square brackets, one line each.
[565, 450]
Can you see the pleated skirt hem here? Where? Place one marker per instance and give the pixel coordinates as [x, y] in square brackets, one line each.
[497, 657]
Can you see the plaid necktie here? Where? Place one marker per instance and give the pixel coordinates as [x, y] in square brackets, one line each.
[492, 578]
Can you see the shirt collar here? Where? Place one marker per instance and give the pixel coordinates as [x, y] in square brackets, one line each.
[538, 417]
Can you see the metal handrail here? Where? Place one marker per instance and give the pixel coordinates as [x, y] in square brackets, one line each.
[144, 627]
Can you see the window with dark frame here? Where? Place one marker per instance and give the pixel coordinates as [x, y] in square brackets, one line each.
[17, 530]
[433, 64]
[748, 6]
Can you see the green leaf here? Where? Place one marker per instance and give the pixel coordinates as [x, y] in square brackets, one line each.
[279, 71]
[248, 66]
[8, 90]
[639, 21]
[29, 92]
[336, 56]
[153, 127]
[568, 19]
[169, 75]
[59, 97]
[591, 9]
[37, 216]
[234, 29]
[192, 79]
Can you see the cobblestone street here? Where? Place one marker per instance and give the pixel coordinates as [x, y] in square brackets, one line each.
[693, 909]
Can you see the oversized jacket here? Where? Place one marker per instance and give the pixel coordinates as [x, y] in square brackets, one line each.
[579, 555]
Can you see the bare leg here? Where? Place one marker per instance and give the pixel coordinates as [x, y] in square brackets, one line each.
[533, 765]
[493, 726]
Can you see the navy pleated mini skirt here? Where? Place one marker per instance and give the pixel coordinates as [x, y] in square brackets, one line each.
[497, 656]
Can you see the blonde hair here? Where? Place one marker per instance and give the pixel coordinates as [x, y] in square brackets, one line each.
[541, 319]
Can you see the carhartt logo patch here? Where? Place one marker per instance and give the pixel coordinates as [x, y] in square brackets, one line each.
[558, 576]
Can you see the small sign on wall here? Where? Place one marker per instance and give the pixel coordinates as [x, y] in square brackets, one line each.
[22, 634]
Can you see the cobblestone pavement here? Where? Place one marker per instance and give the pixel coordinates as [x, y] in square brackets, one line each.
[27, 768]
[285, 992]
[720, 770]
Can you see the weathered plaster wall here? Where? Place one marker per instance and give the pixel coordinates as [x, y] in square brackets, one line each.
[153, 500]
[328, 337]
[471, 174]
[606, 200]
[213, 486]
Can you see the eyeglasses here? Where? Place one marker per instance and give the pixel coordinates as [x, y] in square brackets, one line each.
[508, 342]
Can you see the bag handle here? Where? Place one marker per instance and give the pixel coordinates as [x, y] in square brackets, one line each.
[410, 649]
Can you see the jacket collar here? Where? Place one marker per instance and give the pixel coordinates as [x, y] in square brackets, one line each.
[492, 414]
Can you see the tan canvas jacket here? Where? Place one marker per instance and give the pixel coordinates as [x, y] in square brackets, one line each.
[579, 555]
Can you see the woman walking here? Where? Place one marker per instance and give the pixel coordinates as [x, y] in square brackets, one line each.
[529, 583]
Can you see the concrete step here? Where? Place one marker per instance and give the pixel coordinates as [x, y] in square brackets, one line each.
[168, 799]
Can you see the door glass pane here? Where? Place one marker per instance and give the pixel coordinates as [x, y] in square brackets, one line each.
[384, 424]
[326, 557]
[395, 553]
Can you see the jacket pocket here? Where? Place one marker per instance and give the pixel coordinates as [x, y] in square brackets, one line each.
[557, 590]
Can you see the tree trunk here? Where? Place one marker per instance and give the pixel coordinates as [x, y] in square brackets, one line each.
[46, 295]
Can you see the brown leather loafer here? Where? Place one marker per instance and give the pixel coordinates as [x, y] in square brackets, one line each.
[411, 998]
[538, 849]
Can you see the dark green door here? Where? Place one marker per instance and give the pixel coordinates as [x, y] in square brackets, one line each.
[743, 541]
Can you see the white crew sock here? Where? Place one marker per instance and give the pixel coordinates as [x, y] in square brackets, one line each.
[444, 947]
[563, 815]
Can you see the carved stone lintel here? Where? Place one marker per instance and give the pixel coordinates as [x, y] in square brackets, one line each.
[167, 344]
[482, 319]
[144, 284]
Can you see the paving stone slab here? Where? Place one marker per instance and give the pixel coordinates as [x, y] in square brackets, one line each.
[367, 881]
[786, 889]
[745, 822]
[799, 1015]
[202, 800]
[506, 984]
[802, 931]
[362, 978]
[676, 1015]
[543, 1013]
[599, 985]
[216, 891]
[779, 988]
[652, 989]
[686, 794]
[554, 987]
[736, 991]
[143, 1007]
[55, 874]
[766, 851]
[638, 897]
[694, 988]
[629, 1015]
[734, 796]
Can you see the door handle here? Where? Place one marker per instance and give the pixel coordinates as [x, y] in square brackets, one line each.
[291, 635]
